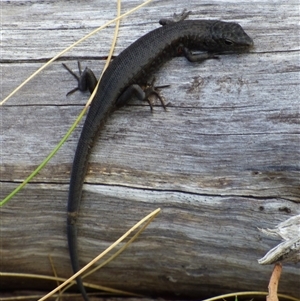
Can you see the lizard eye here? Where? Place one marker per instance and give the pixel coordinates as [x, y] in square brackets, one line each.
[228, 42]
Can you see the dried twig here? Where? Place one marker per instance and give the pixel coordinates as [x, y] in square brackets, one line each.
[274, 281]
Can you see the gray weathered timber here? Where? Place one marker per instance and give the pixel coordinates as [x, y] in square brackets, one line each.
[222, 161]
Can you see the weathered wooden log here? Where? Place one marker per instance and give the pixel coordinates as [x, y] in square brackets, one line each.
[222, 162]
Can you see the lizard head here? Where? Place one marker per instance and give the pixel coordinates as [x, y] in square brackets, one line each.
[229, 36]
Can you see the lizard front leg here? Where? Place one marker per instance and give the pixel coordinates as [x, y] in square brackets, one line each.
[86, 79]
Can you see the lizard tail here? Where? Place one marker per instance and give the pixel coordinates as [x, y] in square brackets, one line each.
[72, 241]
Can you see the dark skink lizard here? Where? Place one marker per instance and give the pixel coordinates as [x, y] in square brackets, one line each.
[127, 76]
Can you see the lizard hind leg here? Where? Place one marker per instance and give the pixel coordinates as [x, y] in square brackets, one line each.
[143, 93]
[150, 89]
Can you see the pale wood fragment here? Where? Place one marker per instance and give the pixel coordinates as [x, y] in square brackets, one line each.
[289, 249]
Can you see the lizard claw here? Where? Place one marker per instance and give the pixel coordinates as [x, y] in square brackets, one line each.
[176, 18]
[150, 89]
[75, 75]
[182, 16]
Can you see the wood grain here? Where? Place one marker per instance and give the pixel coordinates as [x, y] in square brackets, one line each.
[222, 161]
